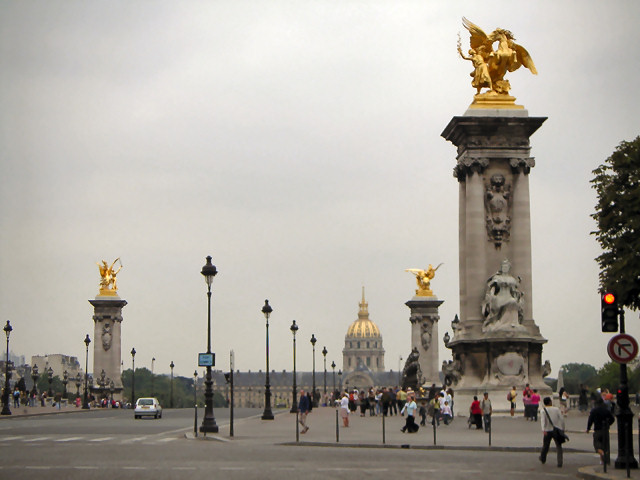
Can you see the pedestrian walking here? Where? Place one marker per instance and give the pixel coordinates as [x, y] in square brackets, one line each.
[550, 420]
[344, 409]
[487, 410]
[475, 413]
[410, 408]
[511, 397]
[304, 407]
[534, 405]
[600, 418]
[583, 398]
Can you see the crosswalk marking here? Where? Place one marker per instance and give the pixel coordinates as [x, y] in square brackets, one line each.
[103, 439]
[37, 439]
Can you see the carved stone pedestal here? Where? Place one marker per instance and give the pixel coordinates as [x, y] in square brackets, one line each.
[422, 365]
[495, 343]
[107, 355]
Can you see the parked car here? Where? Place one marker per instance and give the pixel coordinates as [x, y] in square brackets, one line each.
[148, 407]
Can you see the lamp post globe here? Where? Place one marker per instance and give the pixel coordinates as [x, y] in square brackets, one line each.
[324, 355]
[133, 377]
[267, 414]
[294, 403]
[208, 422]
[313, 394]
[85, 400]
[5, 394]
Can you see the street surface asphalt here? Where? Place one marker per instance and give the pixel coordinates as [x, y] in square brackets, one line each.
[106, 444]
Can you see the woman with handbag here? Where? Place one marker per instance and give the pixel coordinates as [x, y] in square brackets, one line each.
[552, 423]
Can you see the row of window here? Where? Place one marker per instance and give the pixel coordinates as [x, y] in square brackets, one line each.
[358, 361]
[375, 344]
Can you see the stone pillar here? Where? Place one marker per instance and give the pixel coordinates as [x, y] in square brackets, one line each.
[107, 351]
[424, 336]
[495, 342]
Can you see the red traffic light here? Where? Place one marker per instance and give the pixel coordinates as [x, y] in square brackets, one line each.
[609, 298]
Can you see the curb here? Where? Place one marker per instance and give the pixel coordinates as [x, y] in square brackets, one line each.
[474, 448]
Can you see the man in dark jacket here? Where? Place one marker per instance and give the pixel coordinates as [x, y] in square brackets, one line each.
[600, 418]
[304, 407]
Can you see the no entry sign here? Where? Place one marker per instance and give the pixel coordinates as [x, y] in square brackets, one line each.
[622, 348]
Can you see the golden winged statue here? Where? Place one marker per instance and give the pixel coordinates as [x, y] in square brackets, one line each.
[492, 63]
[108, 283]
[423, 279]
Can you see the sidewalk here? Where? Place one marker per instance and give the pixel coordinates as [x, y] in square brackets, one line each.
[508, 434]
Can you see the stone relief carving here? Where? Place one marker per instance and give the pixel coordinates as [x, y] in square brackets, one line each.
[426, 331]
[509, 366]
[497, 204]
[468, 165]
[522, 165]
[503, 304]
[546, 369]
[452, 371]
[107, 336]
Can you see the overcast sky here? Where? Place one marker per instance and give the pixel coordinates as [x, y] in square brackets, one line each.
[297, 143]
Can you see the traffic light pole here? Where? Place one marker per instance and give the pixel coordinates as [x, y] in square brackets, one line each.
[625, 458]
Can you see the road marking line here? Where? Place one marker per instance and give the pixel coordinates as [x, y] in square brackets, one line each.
[37, 439]
[136, 439]
[103, 439]
[233, 468]
[7, 439]
[165, 440]
[70, 439]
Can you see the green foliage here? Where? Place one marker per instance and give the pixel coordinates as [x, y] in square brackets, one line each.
[609, 377]
[617, 183]
[148, 385]
[574, 374]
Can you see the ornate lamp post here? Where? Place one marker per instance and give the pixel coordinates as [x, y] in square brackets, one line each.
[78, 381]
[65, 380]
[34, 376]
[333, 367]
[294, 403]
[50, 375]
[5, 395]
[85, 400]
[340, 378]
[112, 387]
[133, 377]
[171, 365]
[208, 422]
[267, 414]
[153, 363]
[195, 403]
[324, 354]
[313, 391]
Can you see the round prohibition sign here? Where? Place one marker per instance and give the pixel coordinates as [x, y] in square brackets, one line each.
[622, 348]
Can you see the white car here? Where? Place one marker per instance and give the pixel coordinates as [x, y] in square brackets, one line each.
[148, 407]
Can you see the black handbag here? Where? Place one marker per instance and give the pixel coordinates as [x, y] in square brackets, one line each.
[557, 433]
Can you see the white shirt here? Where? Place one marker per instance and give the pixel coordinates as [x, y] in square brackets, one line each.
[556, 418]
[344, 403]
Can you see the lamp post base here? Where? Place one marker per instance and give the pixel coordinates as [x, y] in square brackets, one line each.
[208, 427]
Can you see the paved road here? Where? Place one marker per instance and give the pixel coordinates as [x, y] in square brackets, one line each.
[107, 444]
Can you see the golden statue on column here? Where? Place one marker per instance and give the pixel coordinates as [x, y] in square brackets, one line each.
[108, 284]
[423, 280]
[492, 63]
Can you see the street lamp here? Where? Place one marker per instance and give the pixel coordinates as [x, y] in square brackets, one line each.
[85, 401]
[324, 354]
[340, 378]
[171, 365]
[78, 381]
[267, 414]
[112, 387]
[133, 377]
[65, 380]
[50, 375]
[34, 376]
[195, 403]
[5, 395]
[153, 362]
[333, 367]
[294, 403]
[208, 422]
[313, 395]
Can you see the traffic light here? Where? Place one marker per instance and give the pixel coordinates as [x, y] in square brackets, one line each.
[609, 310]
[622, 396]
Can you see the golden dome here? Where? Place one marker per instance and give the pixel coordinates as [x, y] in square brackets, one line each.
[363, 327]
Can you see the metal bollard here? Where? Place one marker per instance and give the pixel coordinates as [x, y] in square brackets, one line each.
[297, 428]
[433, 423]
[383, 430]
[337, 428]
